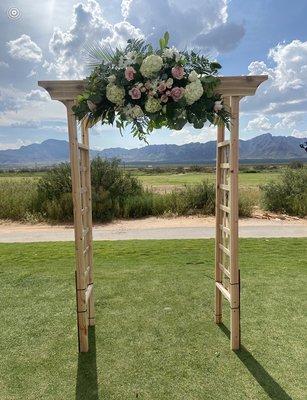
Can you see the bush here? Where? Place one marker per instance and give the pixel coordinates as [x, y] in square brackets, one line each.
[111, 185]
[247, 203]
[289, 194]
[17, 198]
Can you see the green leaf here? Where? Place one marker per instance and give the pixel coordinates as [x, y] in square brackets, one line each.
[162, 43]
[166, 38]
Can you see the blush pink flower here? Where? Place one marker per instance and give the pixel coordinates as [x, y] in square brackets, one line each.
[162, 87]
[135, 93]
[178, 72]
[130, 73]
[177, 93]
[148, 85]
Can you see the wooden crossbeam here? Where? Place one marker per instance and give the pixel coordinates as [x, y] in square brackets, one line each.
[223, 290]
[224, 143]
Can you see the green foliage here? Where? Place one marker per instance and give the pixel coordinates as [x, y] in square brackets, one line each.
[289, 194]
[17, 198]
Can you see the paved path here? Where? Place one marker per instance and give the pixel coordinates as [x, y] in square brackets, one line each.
[128, 230]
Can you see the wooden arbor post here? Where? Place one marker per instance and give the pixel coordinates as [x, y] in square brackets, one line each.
[227, 274]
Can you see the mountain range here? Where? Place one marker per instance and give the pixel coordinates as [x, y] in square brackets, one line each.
[263, 147]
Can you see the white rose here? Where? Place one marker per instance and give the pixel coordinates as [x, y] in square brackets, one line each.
[193, 91]
[115, 94]
[217, 106]
[152, 105]
[151, 65]
[193, 76]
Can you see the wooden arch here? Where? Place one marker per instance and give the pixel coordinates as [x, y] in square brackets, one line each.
[227, 272]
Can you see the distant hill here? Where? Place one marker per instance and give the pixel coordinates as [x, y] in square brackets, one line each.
[263, 147]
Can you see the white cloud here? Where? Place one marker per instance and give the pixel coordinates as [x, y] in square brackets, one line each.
[299, 134]
[3, 64]
[37, 95]
[189, 23]
[187, 135]
[259, 123]
[30, 124]
[15, 145]
[67, 47]
[24, 48]
[206, 27]
[286, 90]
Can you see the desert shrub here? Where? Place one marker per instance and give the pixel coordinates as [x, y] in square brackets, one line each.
[111, 185]
[288, 194]
[247, 203]
[296, 164]
[17, 198]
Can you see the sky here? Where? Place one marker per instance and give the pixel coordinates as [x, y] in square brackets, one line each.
[45, 40]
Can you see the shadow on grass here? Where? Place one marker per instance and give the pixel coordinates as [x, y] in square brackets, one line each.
[87, 380]
[268, 384]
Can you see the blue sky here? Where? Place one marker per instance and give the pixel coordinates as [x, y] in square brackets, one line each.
[46, 38]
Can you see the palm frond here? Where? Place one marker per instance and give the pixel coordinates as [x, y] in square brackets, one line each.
[95, 53]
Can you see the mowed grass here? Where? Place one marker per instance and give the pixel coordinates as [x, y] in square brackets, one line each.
[154, 336]
[246, 180]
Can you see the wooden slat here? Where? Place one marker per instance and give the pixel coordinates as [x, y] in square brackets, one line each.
[224, 165]
[224, 187]
[82, 146]
[225, 229]
[85, 232]
[224, 208]
[223, 290]
[88, 293]
[224, 143]
[224, 249]
[225, 270]
[84, 210]
[83, 190]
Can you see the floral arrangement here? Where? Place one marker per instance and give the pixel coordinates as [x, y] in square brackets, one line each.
[151, 89]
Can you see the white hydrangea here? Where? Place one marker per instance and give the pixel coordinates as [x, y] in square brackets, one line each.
[136, 112]
[193, 76]
[115, 94]
[132, 112]
[152, 105]
[150, 65]
[193, 91]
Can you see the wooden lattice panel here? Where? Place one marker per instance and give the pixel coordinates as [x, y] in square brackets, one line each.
[226, 254]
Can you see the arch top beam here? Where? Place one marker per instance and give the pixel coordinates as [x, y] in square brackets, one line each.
[229, 86]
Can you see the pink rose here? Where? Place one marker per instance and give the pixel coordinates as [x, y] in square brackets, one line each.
[162, 87]
[178, 72]
[129, 73]
[135, 93]
[177, 93]
[164, 98]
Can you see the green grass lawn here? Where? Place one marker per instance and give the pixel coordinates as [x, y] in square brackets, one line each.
[188, 178]
[154, 336]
